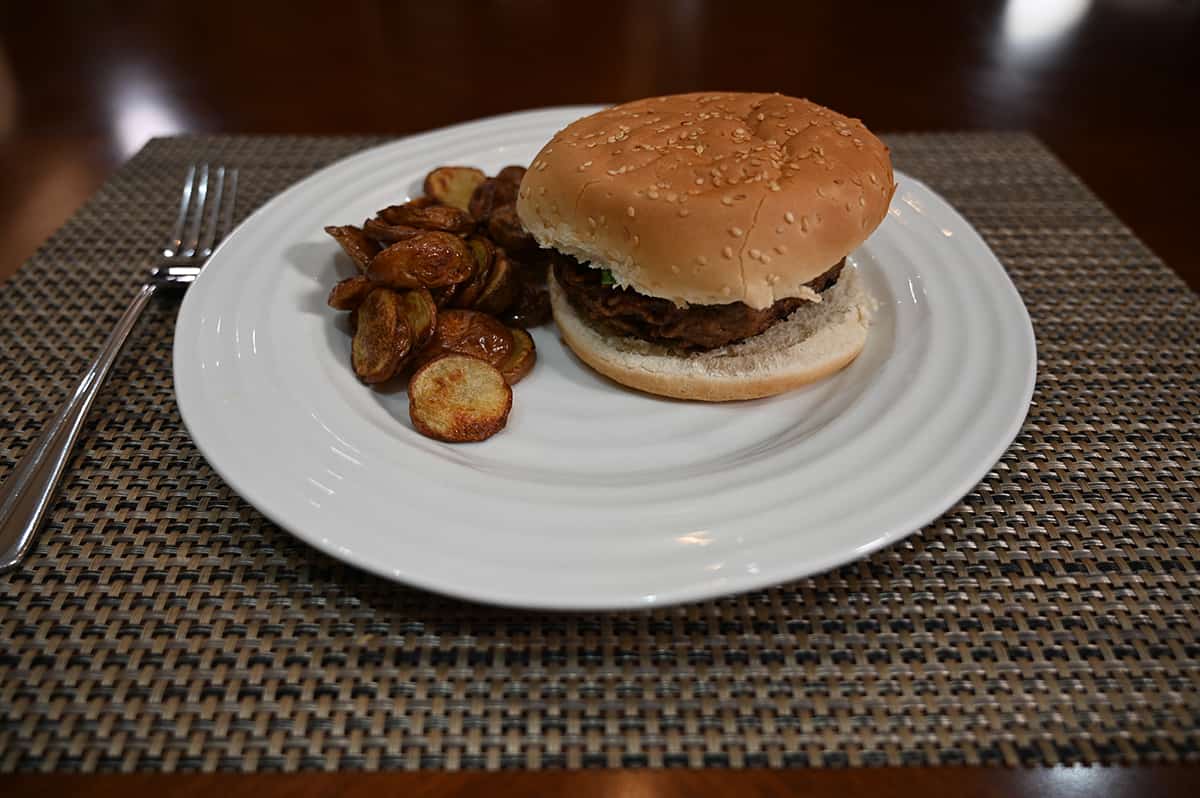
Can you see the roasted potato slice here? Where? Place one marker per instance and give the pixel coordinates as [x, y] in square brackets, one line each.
[442, 297]
[392, 213]
[431, 217]
[532, 308]
[469, 292]
[419, 312]
[385, 233]
[468, 332]
[354, 243]
[511, 174]
[429, 260]
[501, 290]
[348, 294]
[505, 229]
[453, 185]
[381, 337]
[457, 398]
[489, 195]
[520, 360]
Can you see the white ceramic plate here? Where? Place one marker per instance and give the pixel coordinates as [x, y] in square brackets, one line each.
[595, 496]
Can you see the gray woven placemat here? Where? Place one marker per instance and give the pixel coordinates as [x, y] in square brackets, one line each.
[1050, 617]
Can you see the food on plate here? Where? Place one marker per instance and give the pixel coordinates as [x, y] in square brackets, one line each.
[520, 360]
[469, 332]
[459, 398]
[419, 312]
[434, 284]
[702, 240]
[381, 337]
[355, 243]
[454, 185]
[348, 294]
[429, 260]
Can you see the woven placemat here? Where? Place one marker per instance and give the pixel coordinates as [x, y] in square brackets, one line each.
[1052, 616]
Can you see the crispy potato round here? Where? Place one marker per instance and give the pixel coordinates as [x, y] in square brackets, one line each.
[384, 233]
[381, 338]
[348, 294]
[429, 260]
[433, 217]
[489, 195]
[511, 174]
[469, 332]
[505, 229]
[453, 185]
[469, 291]
[501, 290]
[457, 398]
[419, 312]
[355, 243]
[392, 213]
[520, 360]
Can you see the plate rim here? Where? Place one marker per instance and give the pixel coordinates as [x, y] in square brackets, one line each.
[697, 590]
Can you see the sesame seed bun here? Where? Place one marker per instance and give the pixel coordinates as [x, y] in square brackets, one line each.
[709, 198]
[815, 341]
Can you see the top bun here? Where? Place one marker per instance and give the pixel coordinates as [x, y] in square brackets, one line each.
[710, 198]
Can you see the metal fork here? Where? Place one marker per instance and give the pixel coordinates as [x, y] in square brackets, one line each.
[205, 215]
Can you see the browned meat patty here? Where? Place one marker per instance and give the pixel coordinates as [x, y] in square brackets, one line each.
[626, 312]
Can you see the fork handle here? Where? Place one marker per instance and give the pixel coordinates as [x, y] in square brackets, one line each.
[29, 490]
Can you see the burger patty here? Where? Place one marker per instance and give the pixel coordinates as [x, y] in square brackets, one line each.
[697, 327]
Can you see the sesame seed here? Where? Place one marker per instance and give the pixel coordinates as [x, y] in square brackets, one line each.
[674, 269]
[736, 232]
[789, 217]
[765, 258]
[804, 224]
[779, 230]
[652, 193]
[756, 253]
[761, 117]
[703, 261]
[591, 222]
[728, 253]
[727, 200]
[672, 196]
[699, 181]
[637, 239]
[631, 212]
[781, 249]
[684, 211]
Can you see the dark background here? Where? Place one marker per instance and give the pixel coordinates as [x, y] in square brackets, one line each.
[1111, 86]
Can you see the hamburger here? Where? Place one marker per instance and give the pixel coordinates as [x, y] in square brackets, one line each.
[700, 240]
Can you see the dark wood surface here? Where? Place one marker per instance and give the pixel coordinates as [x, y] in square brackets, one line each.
[867, 783]
[1111, 87]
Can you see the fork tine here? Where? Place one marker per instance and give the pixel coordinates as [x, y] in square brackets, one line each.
[230, 199]
[197, 214]
[214, 207]
[176, 240]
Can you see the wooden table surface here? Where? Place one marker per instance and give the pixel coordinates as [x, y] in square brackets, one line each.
[1112, 87]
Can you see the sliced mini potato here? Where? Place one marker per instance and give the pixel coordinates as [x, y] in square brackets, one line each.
[511, 174]
[392, 213]
[348, 294]
[468, 332]
[489, 195]
[469, 292]
[355, 243]
[457, 398]
[431, 217]
[381, 337]
[520, 360]
[501, 290]
[384, 233]
[419, 312]
[453, 185]
[505, 229]
[429, 260]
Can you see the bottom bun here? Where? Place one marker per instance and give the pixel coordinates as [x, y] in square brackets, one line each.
[814, 342]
